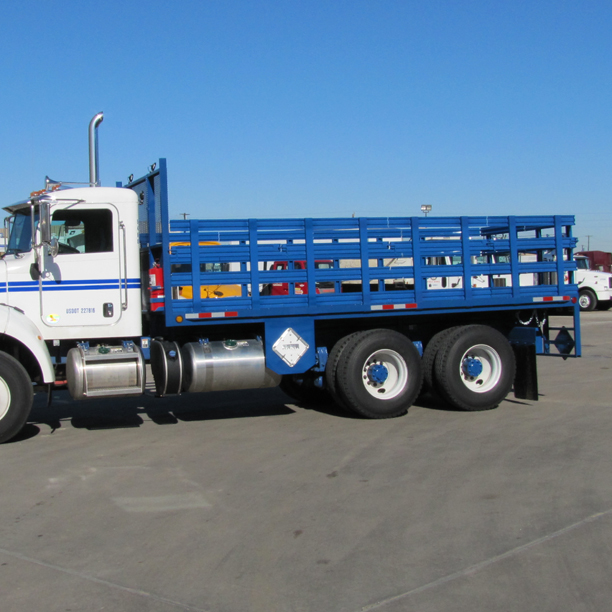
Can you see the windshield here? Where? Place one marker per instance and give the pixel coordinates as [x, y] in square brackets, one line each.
[582, 263]
[20, 240]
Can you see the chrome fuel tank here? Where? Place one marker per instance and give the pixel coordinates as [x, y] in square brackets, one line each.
[226, 365]
[104, 371]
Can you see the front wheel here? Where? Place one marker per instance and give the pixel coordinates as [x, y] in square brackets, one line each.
[475, 368]
[16, 397]
[379, 374]
[587, 300]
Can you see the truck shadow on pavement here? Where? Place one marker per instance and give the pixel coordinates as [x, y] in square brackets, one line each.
[126, 412]
[425, 400]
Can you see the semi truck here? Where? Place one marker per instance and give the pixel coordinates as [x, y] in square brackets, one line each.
[594, 286]
[94, 282]
[598, 260]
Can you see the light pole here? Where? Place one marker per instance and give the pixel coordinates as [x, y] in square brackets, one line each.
[426, 208]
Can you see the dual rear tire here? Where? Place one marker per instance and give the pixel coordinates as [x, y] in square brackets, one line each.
[473, 368]
[378, 374]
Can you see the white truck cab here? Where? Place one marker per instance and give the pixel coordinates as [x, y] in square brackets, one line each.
[81, 279]
[70, 275]
[595, 287]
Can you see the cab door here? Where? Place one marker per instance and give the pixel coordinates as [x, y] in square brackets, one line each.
[83, 286]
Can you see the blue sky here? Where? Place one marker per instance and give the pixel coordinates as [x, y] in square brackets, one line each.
[319, 107]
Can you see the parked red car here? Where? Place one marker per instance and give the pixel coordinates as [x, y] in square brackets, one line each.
[300, 288]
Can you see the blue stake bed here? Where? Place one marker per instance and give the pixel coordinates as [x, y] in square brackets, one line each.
[372, 264]
[292, 272]
[339, 267]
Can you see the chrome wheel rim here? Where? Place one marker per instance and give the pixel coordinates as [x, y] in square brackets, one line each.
[384, 374]
[5, 398]
[490, 368]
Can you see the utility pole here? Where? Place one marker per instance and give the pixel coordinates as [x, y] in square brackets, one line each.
[185, 215]
[588, 242]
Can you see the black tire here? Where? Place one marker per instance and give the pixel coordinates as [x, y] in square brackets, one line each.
[587, 300]
[16, 397]
[379, 374]
[331, 368]
[301, 387]
[480, 347]
[429, 357]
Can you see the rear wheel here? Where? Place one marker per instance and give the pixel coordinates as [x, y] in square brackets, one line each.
[475, 368]
[587, 300]
[429, 356]
[16, 397]
[379, 374]
[331, 368]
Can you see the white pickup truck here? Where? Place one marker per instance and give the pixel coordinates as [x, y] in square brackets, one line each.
[595, 287]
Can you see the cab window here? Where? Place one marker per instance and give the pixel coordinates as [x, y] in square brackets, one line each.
[83, 231]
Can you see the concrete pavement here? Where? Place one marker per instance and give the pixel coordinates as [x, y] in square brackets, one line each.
[232, 502]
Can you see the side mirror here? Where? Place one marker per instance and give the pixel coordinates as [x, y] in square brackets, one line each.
[45, 223]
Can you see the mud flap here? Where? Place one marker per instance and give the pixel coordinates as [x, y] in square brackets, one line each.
[526, 377]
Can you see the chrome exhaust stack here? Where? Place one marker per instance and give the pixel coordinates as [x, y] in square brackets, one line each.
[94, 175]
